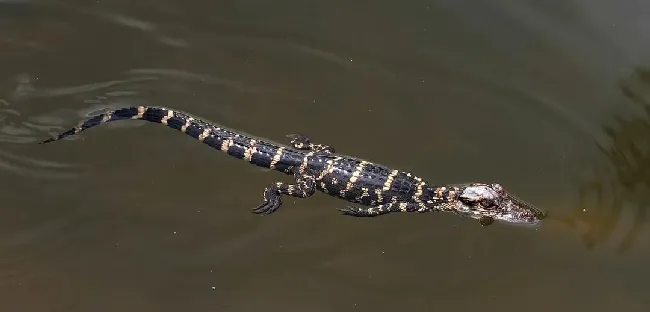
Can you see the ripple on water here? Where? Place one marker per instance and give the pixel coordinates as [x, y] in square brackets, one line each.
[24, 129]
[14, 131]
[20, 130]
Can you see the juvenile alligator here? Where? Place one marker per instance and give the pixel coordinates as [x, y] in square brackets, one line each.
[318, 167]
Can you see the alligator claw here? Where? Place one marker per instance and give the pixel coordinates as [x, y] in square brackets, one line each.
[353, 211]
[296, 136]
[267, 207]
[301, 142]
[272, 202]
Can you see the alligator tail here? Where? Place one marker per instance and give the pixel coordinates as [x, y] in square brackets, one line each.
[114, 115]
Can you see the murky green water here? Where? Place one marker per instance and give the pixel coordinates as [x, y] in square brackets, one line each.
[551, 100]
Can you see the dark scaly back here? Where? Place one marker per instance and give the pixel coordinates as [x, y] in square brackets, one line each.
[258, 152]
[370, 184]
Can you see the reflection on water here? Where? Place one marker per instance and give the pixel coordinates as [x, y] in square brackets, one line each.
[617, 196]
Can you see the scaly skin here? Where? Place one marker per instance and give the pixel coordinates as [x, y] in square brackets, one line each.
[317, 167]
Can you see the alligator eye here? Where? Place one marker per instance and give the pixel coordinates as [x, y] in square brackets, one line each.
[499, 189]
[486, 203]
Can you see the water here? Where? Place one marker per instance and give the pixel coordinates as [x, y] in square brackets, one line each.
[551, 100]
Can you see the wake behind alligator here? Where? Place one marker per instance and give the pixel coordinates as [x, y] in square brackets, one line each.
[379, 189]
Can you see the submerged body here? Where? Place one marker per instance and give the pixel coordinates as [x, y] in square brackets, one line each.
[318, 167]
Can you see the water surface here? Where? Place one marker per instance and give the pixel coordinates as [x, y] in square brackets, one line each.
[550, 100]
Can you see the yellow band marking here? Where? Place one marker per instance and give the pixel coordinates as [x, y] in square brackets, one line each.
[226, 145]
[188, 122]
[276, 157]
[390, 179]
[205, 134]
[355, 176]
[250, 151]
[170, 114]
[141, 111]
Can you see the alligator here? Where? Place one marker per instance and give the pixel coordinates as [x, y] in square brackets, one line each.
[370, 189]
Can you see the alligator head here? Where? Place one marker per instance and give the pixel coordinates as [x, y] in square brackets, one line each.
[489, 202]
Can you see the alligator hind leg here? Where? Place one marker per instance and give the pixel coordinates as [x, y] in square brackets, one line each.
[303, 188]
[299, 141]
[380, 209]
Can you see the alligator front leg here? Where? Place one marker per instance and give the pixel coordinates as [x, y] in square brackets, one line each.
[303, 188]
[380, 209]
[301, 142]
